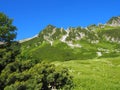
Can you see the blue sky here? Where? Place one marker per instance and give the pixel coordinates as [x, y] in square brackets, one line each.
[31, 16]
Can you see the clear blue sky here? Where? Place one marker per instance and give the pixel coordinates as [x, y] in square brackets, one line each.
[31, 16]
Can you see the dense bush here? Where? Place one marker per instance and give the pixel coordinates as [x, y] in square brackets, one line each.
[42, 76]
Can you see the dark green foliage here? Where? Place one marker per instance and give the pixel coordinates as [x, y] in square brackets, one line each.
[8, 54]
[9, 48]
[7, 30]
[13, 72]
[26, 75]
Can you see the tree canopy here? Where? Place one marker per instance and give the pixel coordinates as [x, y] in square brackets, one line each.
[8, 47]
[7, 29]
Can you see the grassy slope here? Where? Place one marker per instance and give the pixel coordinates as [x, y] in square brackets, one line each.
[38, 48]
[96, 74]
[61, 51]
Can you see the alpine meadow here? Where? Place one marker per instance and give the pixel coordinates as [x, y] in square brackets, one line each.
[76, 58]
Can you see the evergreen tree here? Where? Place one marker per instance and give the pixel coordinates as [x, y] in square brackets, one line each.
[7, 44]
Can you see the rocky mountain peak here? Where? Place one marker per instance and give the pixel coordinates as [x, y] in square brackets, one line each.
[114, 21]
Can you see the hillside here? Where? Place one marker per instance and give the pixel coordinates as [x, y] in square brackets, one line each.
[74, 59]
[94, 41]
[94, 74]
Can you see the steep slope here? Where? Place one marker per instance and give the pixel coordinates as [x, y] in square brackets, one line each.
[94, 41]
[51, 33]
[114, 21]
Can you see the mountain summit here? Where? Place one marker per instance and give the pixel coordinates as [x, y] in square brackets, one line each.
[114, 21]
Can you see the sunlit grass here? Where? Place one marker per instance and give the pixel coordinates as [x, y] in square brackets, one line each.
[96, 74]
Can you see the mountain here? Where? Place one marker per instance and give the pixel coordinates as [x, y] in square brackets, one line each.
[114, 21]
[94, 41]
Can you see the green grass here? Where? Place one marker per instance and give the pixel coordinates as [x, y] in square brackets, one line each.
[61, 51]
[95, 74]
